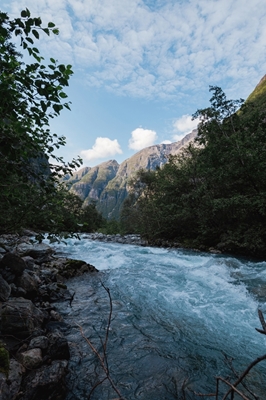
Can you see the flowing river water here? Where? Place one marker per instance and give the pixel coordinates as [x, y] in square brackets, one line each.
[178, 318]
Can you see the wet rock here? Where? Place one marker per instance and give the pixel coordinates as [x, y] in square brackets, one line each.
[214, 251]
[58, 349]
[31, 358]
[54, 326]
[68, 268]
[29, 283]
[21, 292]
[41, 342]
[55, 292]
[10, 386]
[20, 317]
[4, 359]
[40, 251]
[5, 289]
[55, 316]
[30, 262]
[46, 383]
[15, 263]
[123, 239]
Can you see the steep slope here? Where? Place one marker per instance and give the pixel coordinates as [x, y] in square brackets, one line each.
[258, 95]
[89, 183]
[106, 184]
[149, 158]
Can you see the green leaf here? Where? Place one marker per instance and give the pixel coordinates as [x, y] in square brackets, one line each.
[63, 95]
[24, 14]
[46, 30]
[37, 21]
[18, 32]
[62, 68]
[29, 40]
[51, 24]
[35, 33]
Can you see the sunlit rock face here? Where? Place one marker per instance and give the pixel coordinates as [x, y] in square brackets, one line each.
[107, 183]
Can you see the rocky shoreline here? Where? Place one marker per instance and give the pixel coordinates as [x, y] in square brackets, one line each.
[117, 238]
[34, 353]
[137, 240]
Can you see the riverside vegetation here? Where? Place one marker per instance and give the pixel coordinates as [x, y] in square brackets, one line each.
[30, 190]
[214, 193]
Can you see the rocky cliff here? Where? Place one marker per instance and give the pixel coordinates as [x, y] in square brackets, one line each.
[107, 182]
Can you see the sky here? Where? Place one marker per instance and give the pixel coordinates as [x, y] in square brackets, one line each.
[143, 67]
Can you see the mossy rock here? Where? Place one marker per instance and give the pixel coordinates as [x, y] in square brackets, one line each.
[61, 286]
[74, 264]
[4, 360]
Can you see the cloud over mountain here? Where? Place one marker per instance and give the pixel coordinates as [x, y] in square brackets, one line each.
[102, 148]
[141, 138]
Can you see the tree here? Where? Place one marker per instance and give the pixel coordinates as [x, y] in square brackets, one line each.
[30, 94]
[214, 193]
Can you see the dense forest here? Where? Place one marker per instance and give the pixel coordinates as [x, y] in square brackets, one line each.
[214, 193]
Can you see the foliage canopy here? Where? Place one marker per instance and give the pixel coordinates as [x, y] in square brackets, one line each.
[30, 95]
[214, 194]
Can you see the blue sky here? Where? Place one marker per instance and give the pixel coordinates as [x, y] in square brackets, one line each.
[143, 67]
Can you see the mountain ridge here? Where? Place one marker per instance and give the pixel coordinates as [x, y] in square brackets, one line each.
[106, 184]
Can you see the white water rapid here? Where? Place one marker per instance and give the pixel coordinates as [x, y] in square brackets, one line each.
[175, 314]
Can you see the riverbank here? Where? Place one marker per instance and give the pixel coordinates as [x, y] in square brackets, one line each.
[138, 240]
[34, 353]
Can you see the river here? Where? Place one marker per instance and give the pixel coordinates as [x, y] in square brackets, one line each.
[178, 318]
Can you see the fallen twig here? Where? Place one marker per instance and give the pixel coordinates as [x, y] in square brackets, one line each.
[242, 376]
[103, 359]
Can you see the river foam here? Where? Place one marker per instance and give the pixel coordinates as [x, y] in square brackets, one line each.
[175, 314]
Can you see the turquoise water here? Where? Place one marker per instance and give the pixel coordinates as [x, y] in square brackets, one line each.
[176, 314]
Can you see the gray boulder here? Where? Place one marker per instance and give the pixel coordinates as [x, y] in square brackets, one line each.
[5, 289]
[58, 349]
[46, 383]
[41, 342]
[14, 263]
[20, 317]
[29, 283]
[39, 251]
[10, 387]
[31, 358]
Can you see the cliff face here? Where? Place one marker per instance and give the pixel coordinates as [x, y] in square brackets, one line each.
[107, 183]
[89, 183]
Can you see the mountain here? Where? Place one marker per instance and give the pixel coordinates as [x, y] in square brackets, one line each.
[106, 184]
[258, 95]
[89, 183]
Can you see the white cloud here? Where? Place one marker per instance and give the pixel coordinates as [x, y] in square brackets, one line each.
[165, 50]
[183, 126]
[102, 148]
[141, 138]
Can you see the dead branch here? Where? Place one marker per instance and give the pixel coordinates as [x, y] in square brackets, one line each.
[71, 299]
[242, 376]
[229, 363]
[95, 386]
[232, 388]
[103, 359]
[109, 319]
[263, 323]
[260, 331]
